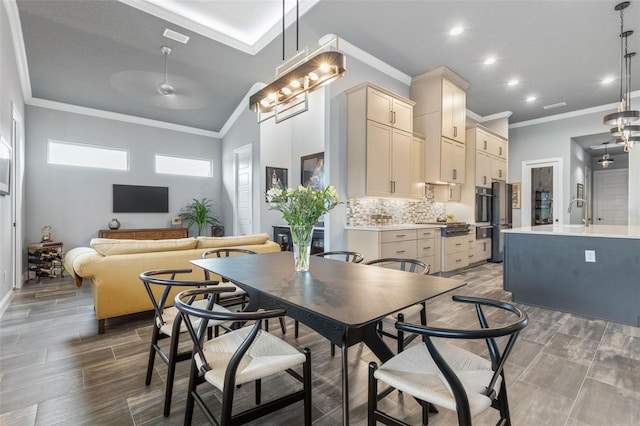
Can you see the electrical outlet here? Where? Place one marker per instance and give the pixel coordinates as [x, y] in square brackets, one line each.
[590, 256]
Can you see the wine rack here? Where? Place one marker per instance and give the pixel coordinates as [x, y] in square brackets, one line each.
[45, 260]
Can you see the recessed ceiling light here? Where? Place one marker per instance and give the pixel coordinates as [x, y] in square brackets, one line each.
[174, 35]
[513, 82]
[456, 31]
[607, 80]
[531, 98]
[490, 61]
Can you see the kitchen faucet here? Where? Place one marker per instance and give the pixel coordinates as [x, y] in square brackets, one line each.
[586, 209]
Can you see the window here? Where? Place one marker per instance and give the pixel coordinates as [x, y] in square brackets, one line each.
[183, 166]
[75, 154]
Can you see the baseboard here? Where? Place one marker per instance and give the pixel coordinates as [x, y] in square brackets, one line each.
[5, 302]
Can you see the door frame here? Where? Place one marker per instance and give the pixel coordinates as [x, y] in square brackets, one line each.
[248, 149]
[596, 196]
[525, 197]
[17, 181]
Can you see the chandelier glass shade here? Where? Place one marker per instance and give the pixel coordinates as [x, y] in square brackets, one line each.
[624, 116]
[606, 159]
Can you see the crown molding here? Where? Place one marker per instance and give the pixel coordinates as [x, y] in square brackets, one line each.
[363, 56]
[18, 47]
[59, 106]
[572, 114]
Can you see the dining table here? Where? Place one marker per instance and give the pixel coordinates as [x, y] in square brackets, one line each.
[341, 301]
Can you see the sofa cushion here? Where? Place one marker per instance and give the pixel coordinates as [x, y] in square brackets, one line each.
[241, 240]
[110, 247]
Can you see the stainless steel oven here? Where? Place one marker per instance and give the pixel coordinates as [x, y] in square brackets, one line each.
[483, 204]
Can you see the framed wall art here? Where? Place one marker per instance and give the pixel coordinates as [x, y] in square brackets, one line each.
[277, 176]
[515, 195]
[312, 171]
[5, 167]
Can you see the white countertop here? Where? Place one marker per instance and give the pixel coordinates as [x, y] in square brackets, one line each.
[607, 231]
[394, 227]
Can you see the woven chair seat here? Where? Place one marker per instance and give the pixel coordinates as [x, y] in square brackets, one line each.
[169, 316]
[267, 355]
[414, 372]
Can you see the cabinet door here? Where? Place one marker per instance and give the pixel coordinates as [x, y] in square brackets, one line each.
[379, 106]
[499, 148]
[401, 176]
[459, 114]
[378, 163]
[483, 141]
[483, 170]
[448, 125]
[402, 115]
[447, 156]
[417, 167]
[499, 169]
[458, 163]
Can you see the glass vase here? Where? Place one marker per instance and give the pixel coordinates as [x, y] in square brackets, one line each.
[301, 237]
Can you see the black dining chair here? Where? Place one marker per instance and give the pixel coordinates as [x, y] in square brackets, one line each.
[440, 373]
[247, 354]
[167, 323]
[238, 297]
[408, 265]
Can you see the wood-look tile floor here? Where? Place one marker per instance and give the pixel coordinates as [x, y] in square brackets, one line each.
[55, 369]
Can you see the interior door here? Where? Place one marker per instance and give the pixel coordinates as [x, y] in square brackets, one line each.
[243, 166]
[611, 197]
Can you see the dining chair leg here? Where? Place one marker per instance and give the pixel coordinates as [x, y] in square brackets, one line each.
[152, 354]
[372, 404]
[171, 372]
[296, 327]
[258, 391]
[283, 326]
[193, 382]
[333, 350]
[307, 386]
[400, 334]
[345, 382]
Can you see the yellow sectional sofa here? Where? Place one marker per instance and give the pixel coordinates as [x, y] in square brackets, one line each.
[114, 266]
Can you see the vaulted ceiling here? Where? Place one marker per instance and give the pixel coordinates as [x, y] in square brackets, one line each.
[106, 54]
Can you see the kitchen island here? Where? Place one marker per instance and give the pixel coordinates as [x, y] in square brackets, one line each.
[592, 271]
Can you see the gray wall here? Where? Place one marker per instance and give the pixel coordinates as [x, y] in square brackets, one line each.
[244, 131]
[10, 94]
[77, 202]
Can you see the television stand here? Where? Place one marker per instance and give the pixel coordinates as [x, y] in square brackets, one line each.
[143, 234]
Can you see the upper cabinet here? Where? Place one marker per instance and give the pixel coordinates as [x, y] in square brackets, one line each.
[440, 115]
[487, 153]
[384, 158]
[389, 110]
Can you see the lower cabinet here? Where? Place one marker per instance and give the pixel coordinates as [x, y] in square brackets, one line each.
[410, 243]
[483, 249]
[455, 253]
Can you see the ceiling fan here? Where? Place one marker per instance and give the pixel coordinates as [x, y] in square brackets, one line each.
[164, 88]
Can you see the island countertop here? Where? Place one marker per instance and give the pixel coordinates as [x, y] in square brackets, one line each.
[604, 231]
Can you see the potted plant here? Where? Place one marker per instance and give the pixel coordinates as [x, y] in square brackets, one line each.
[199, 212]
[450, 218]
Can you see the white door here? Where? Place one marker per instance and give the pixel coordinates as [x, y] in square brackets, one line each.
[243, 166]
[558, 206]
[611, 197]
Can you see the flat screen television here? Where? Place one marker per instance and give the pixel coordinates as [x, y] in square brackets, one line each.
[140, 199]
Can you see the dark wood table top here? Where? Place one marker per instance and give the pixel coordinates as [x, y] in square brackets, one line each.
[351, 294]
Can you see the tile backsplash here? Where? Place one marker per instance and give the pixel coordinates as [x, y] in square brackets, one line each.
[359, 210]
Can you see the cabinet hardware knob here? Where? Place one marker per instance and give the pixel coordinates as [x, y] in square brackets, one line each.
[400, 235]
[400, 251]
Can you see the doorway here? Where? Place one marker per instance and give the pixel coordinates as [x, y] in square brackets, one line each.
[16, 182]
[611, 197]
[542, 192]
[243, 181]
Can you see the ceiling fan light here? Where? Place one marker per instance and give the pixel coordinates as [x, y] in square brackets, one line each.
[165, 89]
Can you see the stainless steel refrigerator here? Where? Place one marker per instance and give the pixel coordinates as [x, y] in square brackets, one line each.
[500, 217]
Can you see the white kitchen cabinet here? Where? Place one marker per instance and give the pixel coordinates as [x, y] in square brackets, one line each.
[440, 114]
[383, 159]
[498, 169]
[447, 193]
[454, 112]
[483, 169]
[471, 245]
[455, 253]
[411, 243]
[499, 147]
[483, 249]
[389, 109]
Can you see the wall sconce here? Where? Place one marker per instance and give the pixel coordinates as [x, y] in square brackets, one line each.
[292, 86]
